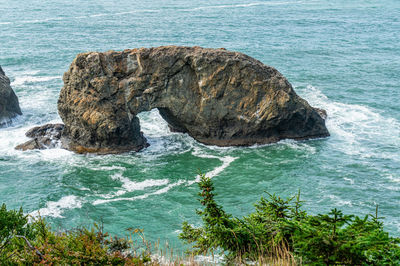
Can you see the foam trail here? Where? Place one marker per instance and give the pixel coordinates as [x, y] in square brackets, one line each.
[296, 145]
[144, 196]
[226, 161]
[145, 10]
[118, 13]
[55, 208]
[349, 180]
[31, 79]
[340, 202]
[130, 186]
[162, 190]
[197, 153]
[242, 5]
[135, 11]
[393, 178]
[41, 20]
[77, 17]
[109, 168]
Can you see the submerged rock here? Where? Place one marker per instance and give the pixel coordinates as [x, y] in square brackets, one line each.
[9, 106]
[217, 96]
[43, 137]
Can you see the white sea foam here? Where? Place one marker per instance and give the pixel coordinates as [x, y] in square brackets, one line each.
[56, 154]
[357, 127]
[10, 137]
[20, 80]
[349, 180]
[113, 14]
[56, 208]
[34, 21]
[393, 178]
[141, 197]
[162, 141]
[13, 136]
[198, 153]
[296, 145]
[130, 186]
[162, 190]
[226, 161]
[153, 125]
[339, 202]
[269, 3]
[135, 11]
[118, 13]
[109, 168]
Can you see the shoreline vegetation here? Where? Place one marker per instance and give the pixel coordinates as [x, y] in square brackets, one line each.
[278, 232]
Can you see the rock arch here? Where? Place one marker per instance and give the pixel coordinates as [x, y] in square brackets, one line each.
[216, 96]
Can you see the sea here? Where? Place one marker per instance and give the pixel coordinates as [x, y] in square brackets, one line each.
[342, 56]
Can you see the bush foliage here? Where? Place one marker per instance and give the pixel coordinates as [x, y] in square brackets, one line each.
[28, 243]
[279, 228]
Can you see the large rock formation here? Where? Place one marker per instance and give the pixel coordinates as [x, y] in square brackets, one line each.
[9, 106]
[216, 96]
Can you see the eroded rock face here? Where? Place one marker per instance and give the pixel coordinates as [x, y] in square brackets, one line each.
[9, 106]
[43, 137]
[216, 96]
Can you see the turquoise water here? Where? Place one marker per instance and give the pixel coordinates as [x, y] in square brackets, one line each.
[340, 56]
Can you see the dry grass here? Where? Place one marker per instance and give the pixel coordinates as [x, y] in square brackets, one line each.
[166, 256]
[163, 254]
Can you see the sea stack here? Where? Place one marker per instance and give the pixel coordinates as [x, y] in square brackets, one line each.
[9, 106]
[216, 96]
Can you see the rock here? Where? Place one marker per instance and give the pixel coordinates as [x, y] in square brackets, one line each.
[217, 96]
[321, 112]
[9, 106]
[43, 137]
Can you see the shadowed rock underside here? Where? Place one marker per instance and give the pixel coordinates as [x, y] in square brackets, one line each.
[216, 96]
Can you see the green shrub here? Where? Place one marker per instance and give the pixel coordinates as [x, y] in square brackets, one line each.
[32, 243]
[280, 229]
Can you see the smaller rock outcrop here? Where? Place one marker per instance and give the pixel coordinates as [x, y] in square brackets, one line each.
[43, 137]
[9, 106]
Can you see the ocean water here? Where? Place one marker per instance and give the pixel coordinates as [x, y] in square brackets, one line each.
[343, 56]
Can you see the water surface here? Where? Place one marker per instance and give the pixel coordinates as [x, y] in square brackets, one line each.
[340, 56]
